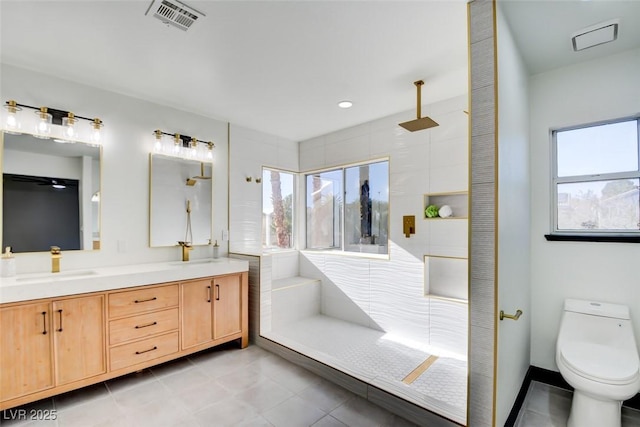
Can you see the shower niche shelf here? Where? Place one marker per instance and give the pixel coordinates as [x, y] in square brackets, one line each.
[446, 277]
[457, 200]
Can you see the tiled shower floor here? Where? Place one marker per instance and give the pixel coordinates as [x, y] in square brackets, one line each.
[376, 358]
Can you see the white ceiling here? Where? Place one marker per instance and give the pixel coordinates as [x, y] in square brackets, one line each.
[282, 66]
[543, 29]
[277, 67]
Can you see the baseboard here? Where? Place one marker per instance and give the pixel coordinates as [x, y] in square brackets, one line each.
[555, 379]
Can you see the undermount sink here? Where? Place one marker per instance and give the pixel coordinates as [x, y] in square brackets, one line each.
[41, 277]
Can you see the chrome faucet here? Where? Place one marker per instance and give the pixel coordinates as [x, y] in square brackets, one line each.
[186, 247]
[56, 254]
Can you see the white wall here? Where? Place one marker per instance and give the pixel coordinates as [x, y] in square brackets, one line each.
[602, 89]
[389, 294]
[128, 139]
[514, 224]
[249, 151]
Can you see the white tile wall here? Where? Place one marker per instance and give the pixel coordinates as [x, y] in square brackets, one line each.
[249, 151]
[389, 294]
[285, 264]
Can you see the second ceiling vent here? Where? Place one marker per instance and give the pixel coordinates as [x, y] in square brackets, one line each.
[174, 13]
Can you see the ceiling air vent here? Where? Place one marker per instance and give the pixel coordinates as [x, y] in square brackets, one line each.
[175, 13]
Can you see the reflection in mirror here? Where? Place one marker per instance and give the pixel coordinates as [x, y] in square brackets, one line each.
[178, 185]
[50, 194]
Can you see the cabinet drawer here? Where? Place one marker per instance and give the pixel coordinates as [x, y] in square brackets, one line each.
[142, 300]
[143, 350]
[142, 325]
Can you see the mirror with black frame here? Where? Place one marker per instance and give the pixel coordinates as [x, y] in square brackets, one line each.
[180, 206]
[50, 194]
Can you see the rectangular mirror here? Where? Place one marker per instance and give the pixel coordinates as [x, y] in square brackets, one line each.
[50, 194]
[178, 184]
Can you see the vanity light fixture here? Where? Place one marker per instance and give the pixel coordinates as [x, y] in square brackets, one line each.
[183, 146]
[46, 116]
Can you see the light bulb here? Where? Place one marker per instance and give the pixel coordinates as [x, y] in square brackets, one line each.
[12, 125]
[157, 145]
[69, 130]
[43, 127]
[193, 148]
[12, 121]
[96, 133]
[209, 155]
[177, 144]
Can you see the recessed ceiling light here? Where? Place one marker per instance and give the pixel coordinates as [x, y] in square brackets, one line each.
[345, 104]
[595, 35]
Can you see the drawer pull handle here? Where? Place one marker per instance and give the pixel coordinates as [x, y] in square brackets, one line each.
[217, 292]
[44, 323]
[138, 301]
[60, 314]
[209, 293]
[147, 351]
[146, 326]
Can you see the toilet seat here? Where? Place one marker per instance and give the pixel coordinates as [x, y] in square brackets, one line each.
[600, 363]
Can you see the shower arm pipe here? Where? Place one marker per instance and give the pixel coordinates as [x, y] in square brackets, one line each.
[419, 84]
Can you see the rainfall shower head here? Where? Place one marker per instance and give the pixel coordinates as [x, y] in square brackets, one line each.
[192, 181]
[421, 122]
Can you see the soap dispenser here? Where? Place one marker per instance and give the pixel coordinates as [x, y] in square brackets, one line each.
[216, 250]
[8, 263]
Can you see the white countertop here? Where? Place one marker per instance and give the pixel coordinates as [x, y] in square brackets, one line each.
[24, 287]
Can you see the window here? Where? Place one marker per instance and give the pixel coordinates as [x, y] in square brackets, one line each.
[277, 209]
[596, 179]
[348, 208]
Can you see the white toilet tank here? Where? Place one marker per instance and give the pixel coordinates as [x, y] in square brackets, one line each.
[597, 322]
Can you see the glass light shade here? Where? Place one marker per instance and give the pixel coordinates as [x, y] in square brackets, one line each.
[209, 154]
[192, 152]
[43, 125]
[158, 146]
[68, 127]
[12, 124]
[96, 131]
[177, 144]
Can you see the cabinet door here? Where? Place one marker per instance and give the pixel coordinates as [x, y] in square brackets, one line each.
[25, 350]
[196, 303]
[78, 336]
[227, 306]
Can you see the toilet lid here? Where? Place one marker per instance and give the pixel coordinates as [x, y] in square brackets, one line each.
[600, 362]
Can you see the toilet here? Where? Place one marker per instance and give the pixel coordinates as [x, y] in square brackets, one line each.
[596, 353]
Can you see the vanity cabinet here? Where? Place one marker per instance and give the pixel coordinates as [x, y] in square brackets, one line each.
[55, 345]
[212, 311]
[26, 362]
[78, 338]
[143, 325]
[50, 343]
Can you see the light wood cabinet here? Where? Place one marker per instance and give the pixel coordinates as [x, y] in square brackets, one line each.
[227, 306]
[26, 361]
[197, 312]
[55, 345]
[214, 310]
[50, 343]
[78, 337]
[143, 325]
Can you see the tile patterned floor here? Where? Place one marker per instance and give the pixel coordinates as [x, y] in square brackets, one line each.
[371, 356]
[548, 406]
[220, 387]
